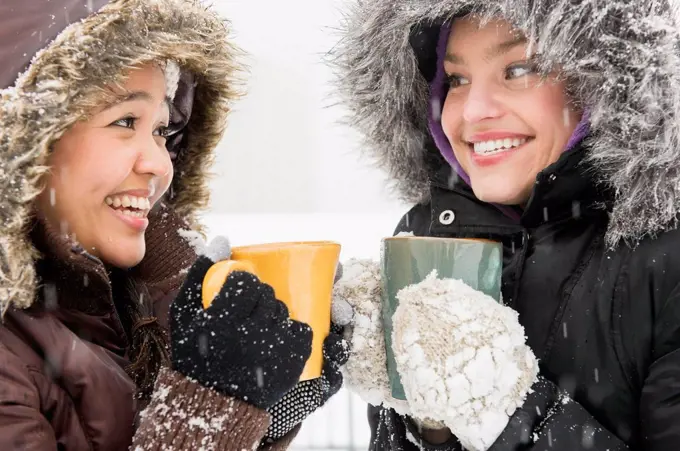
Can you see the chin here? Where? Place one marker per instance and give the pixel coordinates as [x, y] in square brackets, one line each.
[123, 256]
[493, 195]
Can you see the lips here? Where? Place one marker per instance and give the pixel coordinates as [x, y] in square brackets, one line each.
[487, 153]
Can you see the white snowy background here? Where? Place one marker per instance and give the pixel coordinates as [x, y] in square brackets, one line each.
[287, 170]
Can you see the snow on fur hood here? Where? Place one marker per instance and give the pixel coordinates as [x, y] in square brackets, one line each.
[62, 84]
[622, 55]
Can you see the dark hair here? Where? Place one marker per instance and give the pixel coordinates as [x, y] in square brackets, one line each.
[149, 341]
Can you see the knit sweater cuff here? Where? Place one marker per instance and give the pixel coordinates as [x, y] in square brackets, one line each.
[186, 415]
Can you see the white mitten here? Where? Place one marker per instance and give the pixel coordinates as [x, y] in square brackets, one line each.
[462, 358]
[357, 305]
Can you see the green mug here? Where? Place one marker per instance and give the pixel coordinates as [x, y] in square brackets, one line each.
[407, 260]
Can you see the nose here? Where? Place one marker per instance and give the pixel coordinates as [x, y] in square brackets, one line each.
[481, 103]
[153, 159]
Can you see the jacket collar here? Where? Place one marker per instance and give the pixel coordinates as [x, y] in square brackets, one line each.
[76, 288]
[564, 190]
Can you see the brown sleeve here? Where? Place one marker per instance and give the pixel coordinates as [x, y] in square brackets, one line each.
[185, 415]
[22, 425]
[283, 443]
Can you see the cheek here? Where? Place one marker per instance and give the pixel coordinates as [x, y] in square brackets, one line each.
[452, 124]
[451, 120]
[99, 179]
[553, 112]
[92, 165]
[74, 171]
[165, 180]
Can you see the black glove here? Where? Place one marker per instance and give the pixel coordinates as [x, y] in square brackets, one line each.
[307, 396]
[244, 345]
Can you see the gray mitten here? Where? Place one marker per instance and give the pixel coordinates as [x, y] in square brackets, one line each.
[357, 302]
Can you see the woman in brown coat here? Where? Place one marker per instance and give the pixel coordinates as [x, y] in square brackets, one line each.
[105, 140]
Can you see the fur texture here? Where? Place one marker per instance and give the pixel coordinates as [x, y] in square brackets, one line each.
[365, 371]
[622, 57]
[65, 82]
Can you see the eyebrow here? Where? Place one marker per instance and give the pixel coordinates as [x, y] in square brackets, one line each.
[492, 52]
[133, 96]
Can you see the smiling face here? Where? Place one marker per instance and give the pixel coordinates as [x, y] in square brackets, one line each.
[504, 121]
[107, 172]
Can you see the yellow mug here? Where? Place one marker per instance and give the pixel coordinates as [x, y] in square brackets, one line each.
[302, 276]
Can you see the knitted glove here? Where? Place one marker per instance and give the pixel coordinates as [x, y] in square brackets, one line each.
[244, 345]
[308, 396]
[462, 358]
[357, 304]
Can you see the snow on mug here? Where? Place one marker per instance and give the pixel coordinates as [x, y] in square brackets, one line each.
[302, 276]
[407, 260]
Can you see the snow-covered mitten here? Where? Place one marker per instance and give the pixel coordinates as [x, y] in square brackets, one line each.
[308, 396]
[357, 305]
[462, 358]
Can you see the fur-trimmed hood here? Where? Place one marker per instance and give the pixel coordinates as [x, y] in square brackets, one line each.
[64, 81]
[623, 57]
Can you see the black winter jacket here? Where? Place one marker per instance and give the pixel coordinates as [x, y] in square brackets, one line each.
[605, 325]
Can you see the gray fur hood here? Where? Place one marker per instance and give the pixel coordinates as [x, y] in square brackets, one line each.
[62, 85]
[624, 59]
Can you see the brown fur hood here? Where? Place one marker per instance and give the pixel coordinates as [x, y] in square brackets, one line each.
[64, 81]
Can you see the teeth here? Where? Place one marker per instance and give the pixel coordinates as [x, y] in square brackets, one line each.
[142, 204]
[135, 213]
[497, 145]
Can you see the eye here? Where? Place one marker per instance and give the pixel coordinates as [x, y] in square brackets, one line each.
[456, 81]
[520, 70]
[126, 122]
[163, 131]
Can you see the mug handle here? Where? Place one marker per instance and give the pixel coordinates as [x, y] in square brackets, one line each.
[217, 275]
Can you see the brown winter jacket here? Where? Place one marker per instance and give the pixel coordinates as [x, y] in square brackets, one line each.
[64, 347]
[62, 362]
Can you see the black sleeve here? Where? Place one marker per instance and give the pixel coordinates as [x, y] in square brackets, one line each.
[565, 425]
[660, 400]
[392, 432]
[549, 419]
[387, 432]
